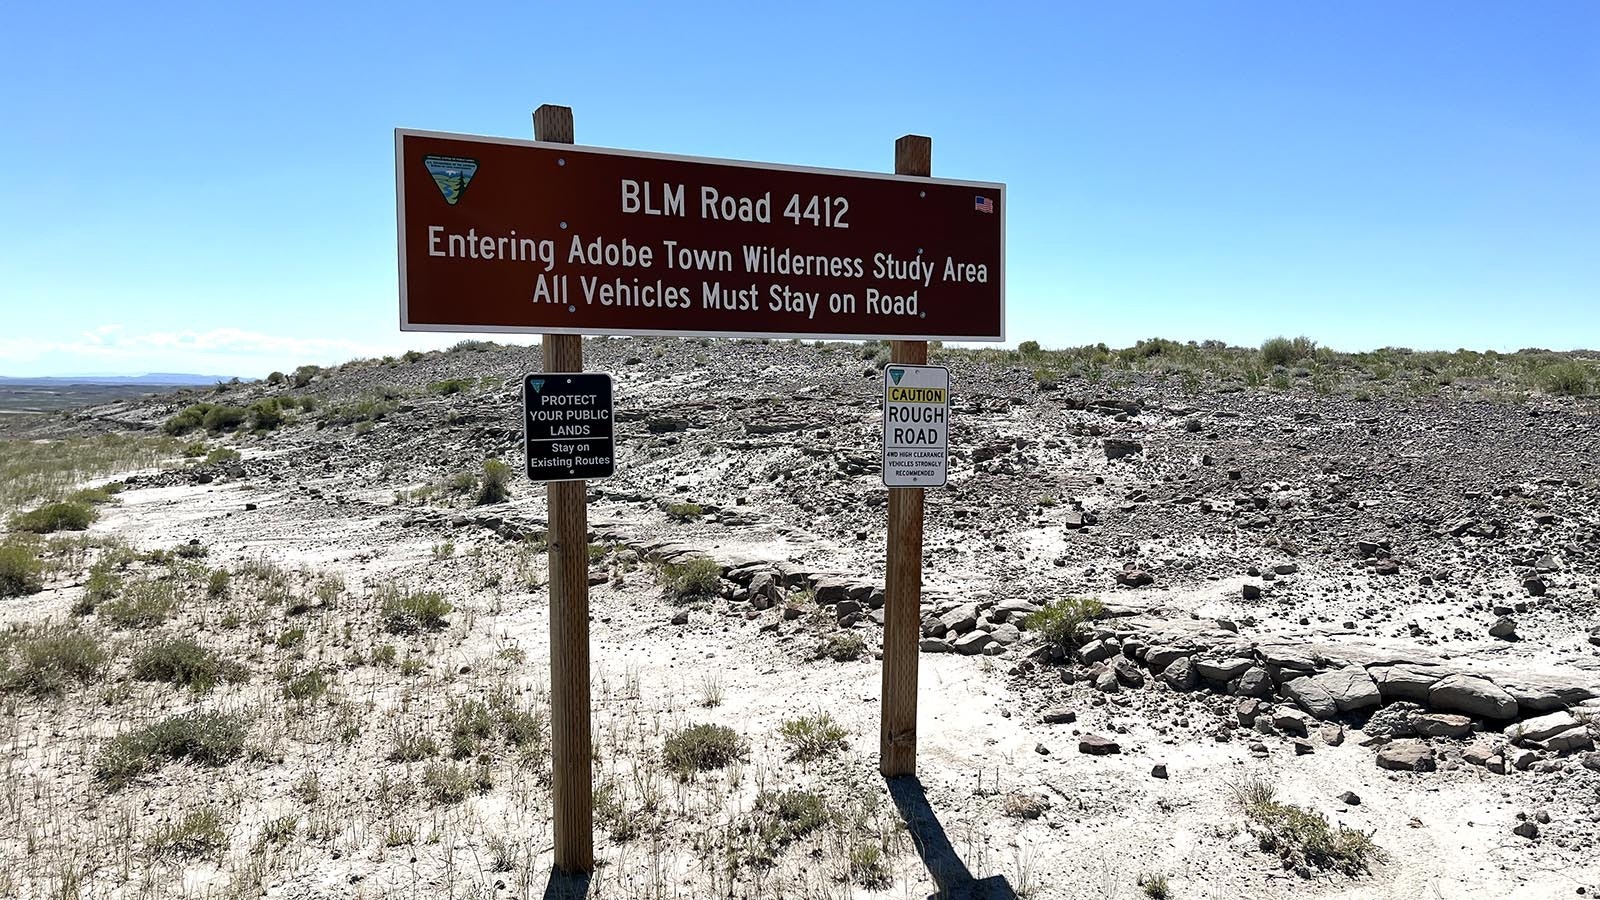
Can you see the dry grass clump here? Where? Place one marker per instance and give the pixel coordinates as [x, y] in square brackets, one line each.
[408, 612]
[783, 817]
[1302, 838]
[697, 579]
[700, 748]
[198, 833]
[143, 604]
[183, 662]
[21, 572]
[842, 646]
[813, 737]
[208, 738]
[1024, 806]
[446, 782]
[45, 663]
[412, 746]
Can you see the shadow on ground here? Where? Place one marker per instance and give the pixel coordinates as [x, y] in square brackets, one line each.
[950, 874]
[564, 886]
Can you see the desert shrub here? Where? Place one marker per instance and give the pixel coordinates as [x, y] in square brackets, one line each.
[695, 579]
[1058, 622]
[1281, 351]
[182, 661]
[225, 418]
[685, 512]
[802, 811]
[1302, 837]
[208, 738]
[449, 386]
[493, 488]
[188, 419]
[267, 414]
[412, 356]
[196, 834]
[406, 612]
[1028, 348]
[813, 737]
[701, 747]
[841, 646]
[1566, 379]
[303, 375]
[67, 515]
[20, 570]
[142, 605]
[222, 455]
[276, 378]
[289, 638]
[48, 661]
[362, 409]
[96, 496]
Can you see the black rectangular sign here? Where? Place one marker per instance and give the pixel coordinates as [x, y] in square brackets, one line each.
[568, 426]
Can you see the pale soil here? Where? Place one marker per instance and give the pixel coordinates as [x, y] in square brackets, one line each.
[1446, 834]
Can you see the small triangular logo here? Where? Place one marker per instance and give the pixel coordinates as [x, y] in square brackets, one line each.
[537, 384]
[452, 174]
[897, 374]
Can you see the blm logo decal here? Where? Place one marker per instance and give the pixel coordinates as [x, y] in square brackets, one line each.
[452, 174]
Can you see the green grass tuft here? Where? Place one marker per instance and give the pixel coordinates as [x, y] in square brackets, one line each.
[813, 737]
[1058, 622]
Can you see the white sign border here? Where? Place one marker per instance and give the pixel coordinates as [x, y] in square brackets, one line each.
[883, 472]
[612, 381]
[400, 239]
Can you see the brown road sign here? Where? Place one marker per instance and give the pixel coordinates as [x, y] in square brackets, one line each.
[522, 236]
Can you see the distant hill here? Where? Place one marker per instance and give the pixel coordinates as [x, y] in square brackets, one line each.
[161, 379]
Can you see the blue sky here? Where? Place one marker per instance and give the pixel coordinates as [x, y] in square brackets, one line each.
[210, 187]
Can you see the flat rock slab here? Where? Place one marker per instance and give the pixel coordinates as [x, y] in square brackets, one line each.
[1351, 688]
[1311, 697]
[1407, 756]
[1472, 695]
[1446, 725]
[1406, 682]
[1542, 727]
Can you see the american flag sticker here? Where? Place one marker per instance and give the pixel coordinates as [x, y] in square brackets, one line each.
[983, 204]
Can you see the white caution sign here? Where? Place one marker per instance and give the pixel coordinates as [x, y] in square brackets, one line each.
[916, 426]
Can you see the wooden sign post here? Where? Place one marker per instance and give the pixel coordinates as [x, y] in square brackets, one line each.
[902, 620]
[572, 771]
